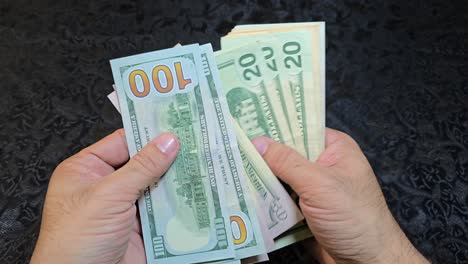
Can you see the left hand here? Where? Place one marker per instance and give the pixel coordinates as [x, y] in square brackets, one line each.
[90, 214]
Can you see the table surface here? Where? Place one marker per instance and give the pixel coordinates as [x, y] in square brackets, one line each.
[396, 81]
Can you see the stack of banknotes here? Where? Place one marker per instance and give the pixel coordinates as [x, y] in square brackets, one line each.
[219, 202]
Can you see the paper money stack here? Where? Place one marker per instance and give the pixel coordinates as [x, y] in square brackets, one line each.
[219, 202]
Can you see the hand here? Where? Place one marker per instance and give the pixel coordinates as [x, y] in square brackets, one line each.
[342, 202]
[90, 214]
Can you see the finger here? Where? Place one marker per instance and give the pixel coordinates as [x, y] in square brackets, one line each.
[286, 163]
[318, 252]
[143, 169]
[112, 149]
[338, 146]
[137, 223]
[333, 136]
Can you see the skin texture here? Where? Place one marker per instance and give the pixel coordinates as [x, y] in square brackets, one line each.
[342, 202]
[90, 214]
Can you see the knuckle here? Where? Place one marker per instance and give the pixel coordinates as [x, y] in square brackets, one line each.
[345, 137]
[146, 163]
[120, 132]
[283, 159]
[348, 142]
[65, 166]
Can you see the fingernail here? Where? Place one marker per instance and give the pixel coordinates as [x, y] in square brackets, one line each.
[261, 143]
[166, 142]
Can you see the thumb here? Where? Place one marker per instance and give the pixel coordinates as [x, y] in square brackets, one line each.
[286, 163]
[143, 169]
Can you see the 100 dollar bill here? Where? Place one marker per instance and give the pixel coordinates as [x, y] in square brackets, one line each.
[183, 218]
[246, 231]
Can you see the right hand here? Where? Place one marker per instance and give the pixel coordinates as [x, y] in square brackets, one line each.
[342, 202]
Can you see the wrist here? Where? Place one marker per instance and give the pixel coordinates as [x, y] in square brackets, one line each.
[398, 249]
[42, 255]
[48, 250]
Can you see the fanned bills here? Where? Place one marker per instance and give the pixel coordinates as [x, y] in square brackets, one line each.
[279, 211]
[219, 202]
[300, 51]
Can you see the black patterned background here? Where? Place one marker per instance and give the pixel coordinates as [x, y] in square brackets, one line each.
[396, 81]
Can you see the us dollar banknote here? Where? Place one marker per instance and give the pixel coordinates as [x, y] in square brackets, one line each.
[279, 210]
[222, 202]
[183, 216]
[246, 231]
[301, 60]
[301, 63]
[251, 93]
[277, 88]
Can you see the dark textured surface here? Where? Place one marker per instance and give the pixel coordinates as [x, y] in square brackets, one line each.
[396, 81]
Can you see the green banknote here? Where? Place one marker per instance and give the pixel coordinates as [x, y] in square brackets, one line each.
[297, 233]
[251, 94]
[246, 231]
[183, 217]
[302, 68]
[277, 211]
[280, 212]
[301, 63]
[279, 90]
